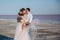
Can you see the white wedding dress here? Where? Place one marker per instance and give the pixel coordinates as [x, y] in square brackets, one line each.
[21, 34]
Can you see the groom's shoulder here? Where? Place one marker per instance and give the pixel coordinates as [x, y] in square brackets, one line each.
[31, 14]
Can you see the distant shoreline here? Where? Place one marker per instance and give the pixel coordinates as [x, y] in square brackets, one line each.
[45, 14]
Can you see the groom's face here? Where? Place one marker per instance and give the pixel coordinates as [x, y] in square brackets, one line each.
[27, 11]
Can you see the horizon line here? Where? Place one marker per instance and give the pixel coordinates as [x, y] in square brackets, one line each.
[33, 14]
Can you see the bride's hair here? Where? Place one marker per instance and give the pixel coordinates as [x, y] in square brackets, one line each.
[19, 18]
[20, 13]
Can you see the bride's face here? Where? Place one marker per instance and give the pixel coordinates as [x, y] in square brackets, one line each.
[20, 12]
[23, 12]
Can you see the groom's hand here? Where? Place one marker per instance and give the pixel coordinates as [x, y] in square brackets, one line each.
[27, 22]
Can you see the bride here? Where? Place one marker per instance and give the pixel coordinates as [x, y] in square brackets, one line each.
[21, 30]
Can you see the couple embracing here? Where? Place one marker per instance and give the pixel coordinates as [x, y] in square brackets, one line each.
[24, 19]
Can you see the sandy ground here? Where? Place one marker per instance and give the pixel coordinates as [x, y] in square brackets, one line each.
[8, 27]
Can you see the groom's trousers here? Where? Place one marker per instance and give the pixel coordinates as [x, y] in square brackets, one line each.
[29, 30]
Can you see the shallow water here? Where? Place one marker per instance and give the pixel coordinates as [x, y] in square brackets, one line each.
[5, 38]
[42, 37]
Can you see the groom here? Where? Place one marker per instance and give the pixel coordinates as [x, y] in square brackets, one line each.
[29, 18]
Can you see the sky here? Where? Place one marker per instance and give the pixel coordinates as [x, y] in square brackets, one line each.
[42, 7]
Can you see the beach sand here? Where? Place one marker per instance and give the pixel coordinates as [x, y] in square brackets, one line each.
[8, 27]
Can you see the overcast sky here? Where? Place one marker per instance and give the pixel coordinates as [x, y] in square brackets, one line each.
[42, 7]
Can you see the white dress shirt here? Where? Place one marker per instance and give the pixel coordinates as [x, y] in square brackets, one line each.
[29, 17]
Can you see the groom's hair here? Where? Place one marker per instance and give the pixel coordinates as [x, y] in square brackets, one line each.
[28, 9]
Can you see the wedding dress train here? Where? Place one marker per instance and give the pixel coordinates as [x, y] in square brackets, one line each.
[21, 34]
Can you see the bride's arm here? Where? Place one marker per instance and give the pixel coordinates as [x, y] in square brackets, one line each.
[23, 26]
[23, 23]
